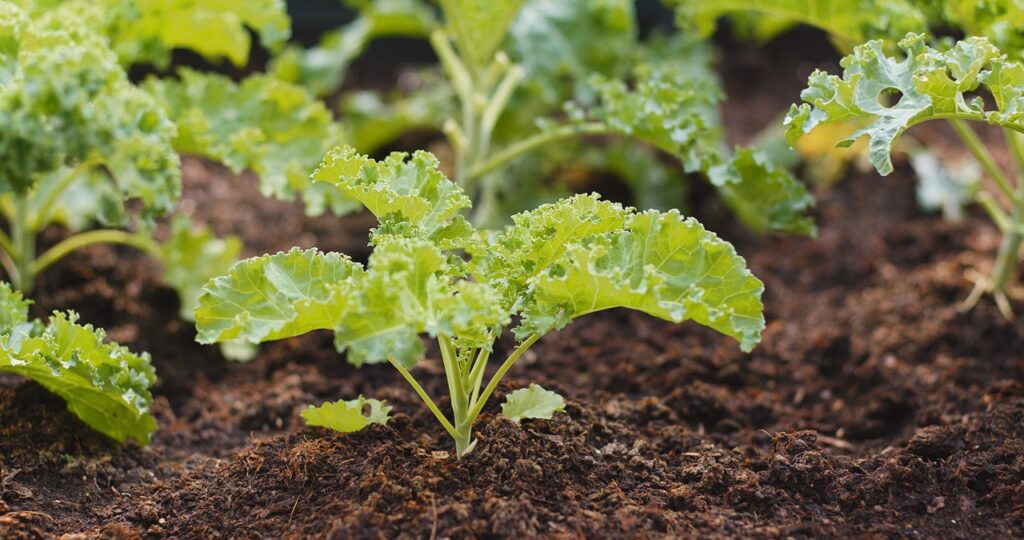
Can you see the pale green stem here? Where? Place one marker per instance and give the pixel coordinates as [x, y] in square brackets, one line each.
[426, 399]
[1007, 259]
[88, 238]
[454, 375]
[8, 263]
[451, 63]
[478, 405]
[476, 376]
[466, 368]
[488, 204]
[1016, 143]
[991, 207]
[984, 157]
[24, 243]
[460, 406]
[7, 245]
[515, 150]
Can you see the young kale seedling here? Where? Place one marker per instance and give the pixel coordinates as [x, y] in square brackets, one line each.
[895, 93]
[432, 273]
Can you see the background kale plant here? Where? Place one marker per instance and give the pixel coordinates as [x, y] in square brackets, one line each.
[895, 93]
[524, 91]
[81, 145]
[903, 79]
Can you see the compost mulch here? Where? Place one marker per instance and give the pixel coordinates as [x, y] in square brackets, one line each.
[874, 407]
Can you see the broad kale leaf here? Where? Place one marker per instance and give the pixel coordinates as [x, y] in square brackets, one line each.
[104, 384]
[763, 195]
[849, 22]
[276, 296]
[583, 255]
[555, 263]
[147, 31]
[673, 106]
[275, 128]
[894, 94]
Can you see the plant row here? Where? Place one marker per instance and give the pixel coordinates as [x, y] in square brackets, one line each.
[535, 101]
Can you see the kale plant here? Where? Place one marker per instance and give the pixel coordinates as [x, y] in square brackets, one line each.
[892, 93]
[82, 146]
[432, 273]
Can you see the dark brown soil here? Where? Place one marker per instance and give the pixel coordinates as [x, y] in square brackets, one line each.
[872, 408]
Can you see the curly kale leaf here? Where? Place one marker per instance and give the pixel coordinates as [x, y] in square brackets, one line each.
[104, 384]
[277, 129]
[894, 93]
[64, 101]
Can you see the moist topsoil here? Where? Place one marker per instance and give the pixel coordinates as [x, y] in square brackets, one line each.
[873, 407]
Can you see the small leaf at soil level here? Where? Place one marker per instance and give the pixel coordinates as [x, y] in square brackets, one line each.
[532, 402]
[348, 416]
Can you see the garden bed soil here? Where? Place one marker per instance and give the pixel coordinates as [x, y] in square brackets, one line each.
[872, 408]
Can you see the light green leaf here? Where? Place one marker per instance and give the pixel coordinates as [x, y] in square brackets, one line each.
[213, 29]
[395, 304]
[567, 41]
[277, 129]
[322, 68]
[347, 416]
[895, 93]
[762, 195]
[413, 188]
[1002, 21]
[672, 105]
[479, 25]
[13, 309]
[193, 256]
[538, 238]
[142, 31]
[276, 296]
[64, 100]
[850, 22]
[533, 402]
[377, 314]
[408, 291]
[661, 264]
[104, 384]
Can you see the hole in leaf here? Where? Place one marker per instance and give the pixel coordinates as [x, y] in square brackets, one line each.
[890, 97]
